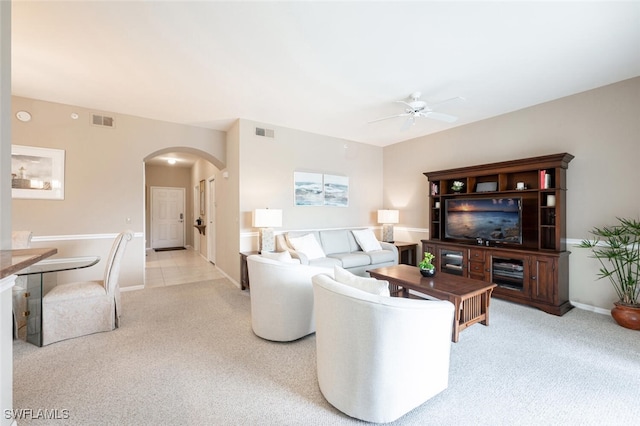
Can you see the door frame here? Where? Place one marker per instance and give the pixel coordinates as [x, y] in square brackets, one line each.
[211, 218]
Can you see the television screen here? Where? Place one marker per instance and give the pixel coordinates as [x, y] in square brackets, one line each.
[492, 219]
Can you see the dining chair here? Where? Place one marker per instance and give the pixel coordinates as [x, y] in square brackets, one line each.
[80, 308]
[20, 240]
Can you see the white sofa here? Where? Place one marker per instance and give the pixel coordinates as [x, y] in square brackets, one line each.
[339, 247]
[379, 357]
[281, 298]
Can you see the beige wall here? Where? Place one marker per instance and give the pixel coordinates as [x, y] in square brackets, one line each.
[599, 127]
[267, 166]
[227, 212]
[104, 177]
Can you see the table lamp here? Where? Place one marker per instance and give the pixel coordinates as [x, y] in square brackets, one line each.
[387, 218]
[266, 220]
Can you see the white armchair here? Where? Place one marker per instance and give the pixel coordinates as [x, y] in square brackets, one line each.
[81, 308]
[379, 357]
[20, 240]
[281, 298]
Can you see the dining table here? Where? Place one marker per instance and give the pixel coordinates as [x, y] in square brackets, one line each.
[35, 279]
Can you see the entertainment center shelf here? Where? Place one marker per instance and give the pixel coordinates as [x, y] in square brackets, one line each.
[506, 225]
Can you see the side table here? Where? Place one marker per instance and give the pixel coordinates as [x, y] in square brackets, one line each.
[407, 253]
[244, 271]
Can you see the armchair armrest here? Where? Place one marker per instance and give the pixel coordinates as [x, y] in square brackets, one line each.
[281, 245]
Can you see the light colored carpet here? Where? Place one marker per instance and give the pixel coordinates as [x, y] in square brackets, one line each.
[186, 355]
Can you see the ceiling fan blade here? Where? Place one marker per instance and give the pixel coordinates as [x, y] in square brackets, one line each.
[457, 98]
[406, 103]
[404, 114]
[440, 116]
[410, 121]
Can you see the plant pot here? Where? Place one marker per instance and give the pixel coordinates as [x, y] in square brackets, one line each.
[428, 272]
[626, 316]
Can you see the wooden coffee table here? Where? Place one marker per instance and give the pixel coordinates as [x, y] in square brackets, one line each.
[470, 297]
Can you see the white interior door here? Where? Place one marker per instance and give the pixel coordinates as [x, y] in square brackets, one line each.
[211, 216]
[167, 217]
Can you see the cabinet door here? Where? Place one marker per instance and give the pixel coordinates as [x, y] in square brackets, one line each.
[542, 278]
[431, 249]
[452, 261]
[511, 273]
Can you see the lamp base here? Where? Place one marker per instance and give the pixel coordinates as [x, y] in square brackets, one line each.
[267, 240]
[387, 233]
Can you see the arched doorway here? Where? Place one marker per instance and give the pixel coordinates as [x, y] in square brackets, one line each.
[194, 171]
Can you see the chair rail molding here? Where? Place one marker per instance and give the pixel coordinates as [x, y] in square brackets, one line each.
[72, 237]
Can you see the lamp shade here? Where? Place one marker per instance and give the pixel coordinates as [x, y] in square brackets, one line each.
[267, 218]
[388, 216]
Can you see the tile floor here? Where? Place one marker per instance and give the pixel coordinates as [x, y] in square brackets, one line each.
[164, 268]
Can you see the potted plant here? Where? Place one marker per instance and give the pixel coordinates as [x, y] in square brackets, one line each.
[617, 248]
[426, 267]
[457, 186]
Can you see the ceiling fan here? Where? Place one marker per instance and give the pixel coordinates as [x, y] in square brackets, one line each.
[416, 108]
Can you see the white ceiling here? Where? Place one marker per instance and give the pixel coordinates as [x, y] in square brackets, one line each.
[321, 67]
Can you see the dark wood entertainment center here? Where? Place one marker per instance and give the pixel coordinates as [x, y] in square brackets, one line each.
[532, 265]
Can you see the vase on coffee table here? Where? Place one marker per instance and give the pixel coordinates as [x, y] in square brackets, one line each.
[428, 272]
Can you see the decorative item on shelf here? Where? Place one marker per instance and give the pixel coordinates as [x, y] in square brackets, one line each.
[198, 221]
[551, 200]
[388, 218]
[267, 219]
[457, 186]
[617, 248]
[427, 269]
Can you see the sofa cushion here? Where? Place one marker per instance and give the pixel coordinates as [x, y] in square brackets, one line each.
[351, 260]
[325, 262]
[308, 245]
[335, 241]
[366, 239]
[382, 256]
[370, 285]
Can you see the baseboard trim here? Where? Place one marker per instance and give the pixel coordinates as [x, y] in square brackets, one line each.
[132, 288]
[591, 308]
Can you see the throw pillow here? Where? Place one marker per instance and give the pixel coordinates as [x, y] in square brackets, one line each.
[283, 256]
[308, 245]
[370, 285]
[366, 239]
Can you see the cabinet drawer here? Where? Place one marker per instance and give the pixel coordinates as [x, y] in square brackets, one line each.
[477, 271]
[475, 254]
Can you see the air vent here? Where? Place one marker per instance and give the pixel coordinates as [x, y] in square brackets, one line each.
[103, 120]
[264, 132]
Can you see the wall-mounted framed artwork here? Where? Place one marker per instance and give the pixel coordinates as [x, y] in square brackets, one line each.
[202, 198]
[37, 173]
[317, 189]
[307, 189]
[336, 191]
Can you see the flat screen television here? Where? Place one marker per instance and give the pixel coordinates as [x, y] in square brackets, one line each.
[492, 219]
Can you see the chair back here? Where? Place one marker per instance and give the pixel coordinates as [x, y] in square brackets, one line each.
[379, 357]
[112, 270]
[21, 239]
